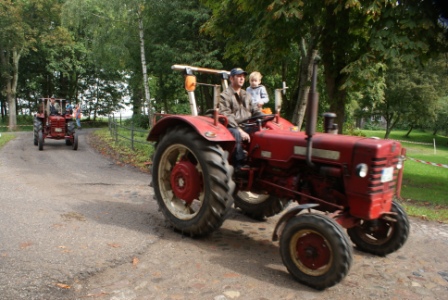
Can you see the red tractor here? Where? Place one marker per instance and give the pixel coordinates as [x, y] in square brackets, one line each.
[54, 122]
[337, 182]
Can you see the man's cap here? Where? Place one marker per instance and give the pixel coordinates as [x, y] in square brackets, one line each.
[237, 71]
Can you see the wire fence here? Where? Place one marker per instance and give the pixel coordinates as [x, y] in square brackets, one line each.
[129, 133]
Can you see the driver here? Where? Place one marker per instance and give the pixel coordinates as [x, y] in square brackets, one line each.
[54, 107]
[237, 106]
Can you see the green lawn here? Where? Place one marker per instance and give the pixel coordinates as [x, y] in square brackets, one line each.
[5, 137]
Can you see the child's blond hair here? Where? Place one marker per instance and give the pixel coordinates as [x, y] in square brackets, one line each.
[255, 75]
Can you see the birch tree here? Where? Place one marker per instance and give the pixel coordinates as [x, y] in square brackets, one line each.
[16, 38]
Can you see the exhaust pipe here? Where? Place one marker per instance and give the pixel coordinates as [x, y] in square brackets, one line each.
[312, 108]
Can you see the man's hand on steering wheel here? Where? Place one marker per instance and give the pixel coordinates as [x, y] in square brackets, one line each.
[253, 120]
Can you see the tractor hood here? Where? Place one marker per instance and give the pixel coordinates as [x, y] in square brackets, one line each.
[327, 148]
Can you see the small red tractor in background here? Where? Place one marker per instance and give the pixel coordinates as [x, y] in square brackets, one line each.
[339, 182]
[57, 125]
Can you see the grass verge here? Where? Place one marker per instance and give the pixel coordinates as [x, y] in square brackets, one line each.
[5, 137]
[120, 151]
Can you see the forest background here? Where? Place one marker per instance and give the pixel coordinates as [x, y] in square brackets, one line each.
[383, 63]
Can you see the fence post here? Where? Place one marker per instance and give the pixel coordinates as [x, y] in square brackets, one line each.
[132, 135]
[434, 141]
[116, 132]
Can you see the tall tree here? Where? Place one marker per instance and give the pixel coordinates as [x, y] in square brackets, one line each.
[16, 38]
[27, 26]
[175, 38]
[352, 35]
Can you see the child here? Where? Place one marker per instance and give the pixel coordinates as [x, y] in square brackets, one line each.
[257, 90]
[77, 115]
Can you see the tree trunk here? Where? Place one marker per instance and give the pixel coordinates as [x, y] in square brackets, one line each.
[144, 69]
[409, 131]
[10, 80]
[306, 70]
[335, 57]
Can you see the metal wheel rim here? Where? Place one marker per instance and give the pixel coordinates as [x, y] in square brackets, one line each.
[177, 207]
[369, 235]
[293, 248]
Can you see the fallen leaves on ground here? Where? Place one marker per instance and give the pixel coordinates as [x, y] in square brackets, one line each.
[25, 245]
[114, 245]
[63, 286]
[135, 262]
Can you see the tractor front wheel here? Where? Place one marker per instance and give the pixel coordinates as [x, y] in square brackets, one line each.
[315, 250]
[259, 206]
[192, 181]
[384, 235]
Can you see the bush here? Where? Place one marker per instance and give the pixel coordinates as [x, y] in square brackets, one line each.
[369, 125]
[354, 131]
[140, 121]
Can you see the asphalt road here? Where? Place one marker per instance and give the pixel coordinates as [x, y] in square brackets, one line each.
[66, 215]
[76, 226]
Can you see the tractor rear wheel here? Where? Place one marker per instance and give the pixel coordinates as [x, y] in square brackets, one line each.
[259, 206]
[382, 236]
[37, 126]
[315, 250]
[75, 142]
[192, 181]
[40, 140]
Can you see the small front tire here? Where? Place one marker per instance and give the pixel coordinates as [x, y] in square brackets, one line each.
[315, 250]
[382, 236]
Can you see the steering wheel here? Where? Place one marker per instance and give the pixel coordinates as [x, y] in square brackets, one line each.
[253, 120]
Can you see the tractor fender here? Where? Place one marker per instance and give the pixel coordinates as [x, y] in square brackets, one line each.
[288, 215]
[204, 126]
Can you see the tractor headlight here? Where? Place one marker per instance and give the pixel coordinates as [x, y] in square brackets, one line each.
[361, 170]
[400, 162]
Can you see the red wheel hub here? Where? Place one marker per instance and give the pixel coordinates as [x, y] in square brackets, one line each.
[186, 181]
[312, 251]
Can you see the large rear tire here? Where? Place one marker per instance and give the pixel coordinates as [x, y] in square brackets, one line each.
[75, 141]
[315, 250]
[40, 140]
[259, 206]
[37, 126]
[382, 236]
[192, 181]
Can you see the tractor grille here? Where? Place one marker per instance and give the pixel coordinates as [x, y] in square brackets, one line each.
[58, 127]
[377, 167]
